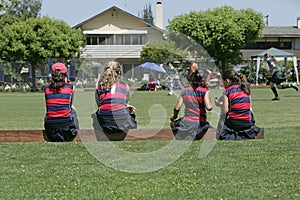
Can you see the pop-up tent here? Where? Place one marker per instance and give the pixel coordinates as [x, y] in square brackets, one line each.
[152, 66]
[277, 53]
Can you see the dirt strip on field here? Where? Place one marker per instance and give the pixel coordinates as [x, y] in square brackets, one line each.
[89, 135]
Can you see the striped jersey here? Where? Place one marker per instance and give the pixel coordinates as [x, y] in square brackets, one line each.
[113, 101]
[193, 99]
[239, 103]
[58, 103]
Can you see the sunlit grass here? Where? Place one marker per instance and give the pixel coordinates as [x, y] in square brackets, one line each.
[257, 169]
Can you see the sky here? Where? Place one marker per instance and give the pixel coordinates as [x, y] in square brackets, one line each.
[281, 13]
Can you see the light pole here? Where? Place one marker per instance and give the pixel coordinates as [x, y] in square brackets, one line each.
[267, 20]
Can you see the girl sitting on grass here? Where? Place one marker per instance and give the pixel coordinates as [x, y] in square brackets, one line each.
[114, 116]
[196, 99]
[239, 121]
[61, 123]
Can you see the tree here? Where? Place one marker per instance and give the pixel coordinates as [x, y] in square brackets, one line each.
[162, 52]
[24, 9]
[147, 15]
[36, 39]
[222, 31]
[18, 10]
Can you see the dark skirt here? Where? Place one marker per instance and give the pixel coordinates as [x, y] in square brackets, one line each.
[231, 134]
[61, 132]
[113, 127]
[184, 130]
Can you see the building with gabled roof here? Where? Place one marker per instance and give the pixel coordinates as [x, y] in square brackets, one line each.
[285, 38]
[115, 34]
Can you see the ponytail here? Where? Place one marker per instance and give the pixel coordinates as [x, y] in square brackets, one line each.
[245, 86]
[237, 78]
[58, 79]
[196, 79]
[111, 75]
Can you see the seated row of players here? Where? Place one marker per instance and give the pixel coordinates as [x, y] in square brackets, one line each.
[116, 116]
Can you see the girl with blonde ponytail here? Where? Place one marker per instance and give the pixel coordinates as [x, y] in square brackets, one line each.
[114, 114]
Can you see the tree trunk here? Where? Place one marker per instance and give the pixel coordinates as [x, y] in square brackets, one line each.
[223, 65]
[33, 81]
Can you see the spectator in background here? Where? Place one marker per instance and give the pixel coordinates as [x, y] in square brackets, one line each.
[173, 79]
[61, 122]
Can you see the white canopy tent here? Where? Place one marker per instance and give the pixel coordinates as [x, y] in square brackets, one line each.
[277, 53]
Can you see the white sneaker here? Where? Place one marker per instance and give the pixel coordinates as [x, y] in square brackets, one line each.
[295, 86]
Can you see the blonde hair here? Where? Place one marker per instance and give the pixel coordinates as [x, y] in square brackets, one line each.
[110, 76]
[193, 67]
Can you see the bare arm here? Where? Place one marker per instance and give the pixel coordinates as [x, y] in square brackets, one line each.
[97, 97]
[225, 103]
[207, 101]
[177, 109]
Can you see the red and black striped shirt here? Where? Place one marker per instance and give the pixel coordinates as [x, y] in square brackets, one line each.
[193, 99]
[58, 103]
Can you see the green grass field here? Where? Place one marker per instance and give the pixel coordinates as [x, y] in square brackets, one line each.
[257, 169]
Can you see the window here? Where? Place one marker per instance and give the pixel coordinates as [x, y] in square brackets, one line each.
[88, 40]
[142, 39]
[110, 40]
[125, 39]
[94, 41]
[266, 43]
[102, 40]
[119, 39]
[135, 39]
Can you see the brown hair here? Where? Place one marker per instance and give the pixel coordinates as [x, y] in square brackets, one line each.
[110, 76]
[237, 78]
[196, 79]
[58, 79]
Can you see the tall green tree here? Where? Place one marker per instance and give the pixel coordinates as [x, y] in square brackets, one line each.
[36, 39]
[17, 10]
[221, 31]
[162, 52]
[147, 14]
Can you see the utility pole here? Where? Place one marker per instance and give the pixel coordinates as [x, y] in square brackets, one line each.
[267, 19]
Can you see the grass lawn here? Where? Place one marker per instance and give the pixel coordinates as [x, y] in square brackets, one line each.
[257, 169]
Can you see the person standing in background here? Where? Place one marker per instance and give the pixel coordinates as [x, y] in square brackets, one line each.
[276, 77]
[173, 79]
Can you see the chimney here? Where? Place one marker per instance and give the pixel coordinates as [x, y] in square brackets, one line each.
[159, 15]
[298, 22]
